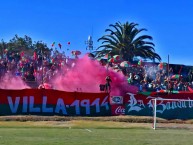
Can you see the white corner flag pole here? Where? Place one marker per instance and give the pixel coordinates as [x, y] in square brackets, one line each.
[154, 119]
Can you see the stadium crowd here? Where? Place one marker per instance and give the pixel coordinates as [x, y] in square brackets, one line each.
[153, 78]
[32, 68]
[148, 76]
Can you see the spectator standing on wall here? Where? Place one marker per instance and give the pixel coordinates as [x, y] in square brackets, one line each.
[190, 76]
[108, 84]
[171, 86]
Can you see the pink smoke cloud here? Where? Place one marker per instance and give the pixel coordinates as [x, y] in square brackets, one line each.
[87, 75]
[84, 76]
[9, 81]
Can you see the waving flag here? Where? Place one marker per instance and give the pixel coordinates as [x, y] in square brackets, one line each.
[22, 54]
[140, 62]
[190, 89]
[124, 64]
[117, 58]
[35, 56]
[176, 76]
[53, 44]
[180, 70]
[68, 45]
[162, 65]
[60, 45]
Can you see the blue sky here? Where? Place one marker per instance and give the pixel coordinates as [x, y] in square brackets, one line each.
[170, 23]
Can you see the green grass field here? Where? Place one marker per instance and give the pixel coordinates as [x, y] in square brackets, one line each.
[81, 132]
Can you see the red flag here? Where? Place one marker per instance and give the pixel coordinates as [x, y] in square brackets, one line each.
[35, 56]
[60, 45]
[68, 44]
[106, 56]
[190, 89]
[22, 54]
[180, 70]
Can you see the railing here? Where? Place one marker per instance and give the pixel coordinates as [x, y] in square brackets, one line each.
[32, 84]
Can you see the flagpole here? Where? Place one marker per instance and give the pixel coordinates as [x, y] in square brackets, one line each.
[168, 71]
[168, 64]
[42, 67]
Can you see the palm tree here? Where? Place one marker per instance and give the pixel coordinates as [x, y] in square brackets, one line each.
[125, 40]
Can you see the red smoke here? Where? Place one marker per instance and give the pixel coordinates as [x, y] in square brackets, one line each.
[87, 75]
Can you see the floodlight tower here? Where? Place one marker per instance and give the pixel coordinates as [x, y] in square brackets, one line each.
[89, 43]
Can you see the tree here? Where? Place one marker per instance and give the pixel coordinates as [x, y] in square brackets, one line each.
[124, 40]
[18, 44]
[41, 48]
[2, 48]
[24, 44]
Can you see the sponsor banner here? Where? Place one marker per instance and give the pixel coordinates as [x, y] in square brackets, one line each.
[53, 102]
[118, 109]
[116, 100]
[142, 105]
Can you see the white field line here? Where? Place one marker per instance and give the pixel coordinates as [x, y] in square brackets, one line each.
[88, 130]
